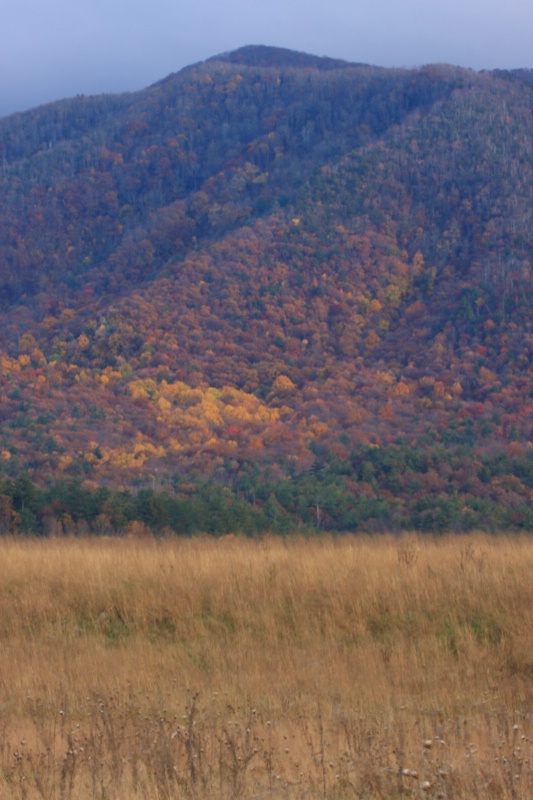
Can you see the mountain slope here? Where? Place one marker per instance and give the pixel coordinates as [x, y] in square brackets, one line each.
[267, 262]
[114, 163]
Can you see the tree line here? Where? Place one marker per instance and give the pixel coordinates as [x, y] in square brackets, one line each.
[375, 489]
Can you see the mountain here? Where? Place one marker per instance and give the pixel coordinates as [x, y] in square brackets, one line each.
[277, 267]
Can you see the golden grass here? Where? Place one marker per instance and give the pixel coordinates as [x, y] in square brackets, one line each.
[348, 667]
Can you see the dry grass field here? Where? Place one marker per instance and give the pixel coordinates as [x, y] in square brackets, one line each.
[333, 668]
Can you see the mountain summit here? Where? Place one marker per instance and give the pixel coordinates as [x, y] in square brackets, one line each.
[279, 57]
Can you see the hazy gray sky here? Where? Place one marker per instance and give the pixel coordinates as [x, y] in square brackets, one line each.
[51, 49]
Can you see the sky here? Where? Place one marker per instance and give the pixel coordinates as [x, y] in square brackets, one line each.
[51, 49]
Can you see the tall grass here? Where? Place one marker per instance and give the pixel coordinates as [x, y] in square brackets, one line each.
[334, 668]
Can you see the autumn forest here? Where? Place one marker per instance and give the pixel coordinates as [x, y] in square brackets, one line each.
[270, 292]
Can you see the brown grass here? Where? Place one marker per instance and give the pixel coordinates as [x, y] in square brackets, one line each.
[331, 668]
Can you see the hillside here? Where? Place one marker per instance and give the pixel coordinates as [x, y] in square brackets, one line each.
[304, 280]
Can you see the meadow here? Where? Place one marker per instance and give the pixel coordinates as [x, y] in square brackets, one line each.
[299, 668]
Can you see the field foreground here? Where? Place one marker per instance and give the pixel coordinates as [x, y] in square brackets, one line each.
[330, 668]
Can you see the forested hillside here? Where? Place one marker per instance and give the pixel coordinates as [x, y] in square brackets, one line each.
[298, 288]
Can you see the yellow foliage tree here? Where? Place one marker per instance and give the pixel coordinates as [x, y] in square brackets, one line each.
[283, 385]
